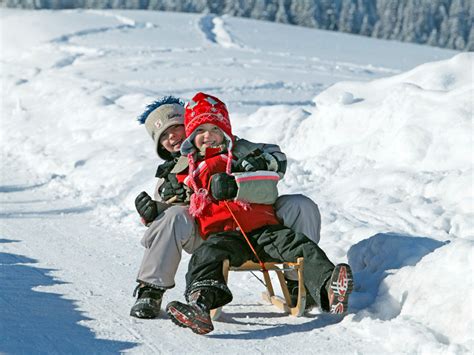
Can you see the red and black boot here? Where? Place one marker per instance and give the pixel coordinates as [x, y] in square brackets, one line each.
[339, 287]
[194, 315]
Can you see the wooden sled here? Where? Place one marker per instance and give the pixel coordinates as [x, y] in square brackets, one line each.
[284, 303]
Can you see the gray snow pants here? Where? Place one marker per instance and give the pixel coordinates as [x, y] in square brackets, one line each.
[175, 230]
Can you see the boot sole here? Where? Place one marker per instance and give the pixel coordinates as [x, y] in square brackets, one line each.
[144, 315]
[182, 317]
[341, 285]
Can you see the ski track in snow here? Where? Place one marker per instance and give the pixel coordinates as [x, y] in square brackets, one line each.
[215, 31]
[125, 23]
[91, 31]
[64, 41]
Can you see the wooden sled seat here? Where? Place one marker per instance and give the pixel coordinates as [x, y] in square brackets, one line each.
[284, 303]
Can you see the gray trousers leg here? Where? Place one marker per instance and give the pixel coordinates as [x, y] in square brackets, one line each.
[173, 231]
[300, 214]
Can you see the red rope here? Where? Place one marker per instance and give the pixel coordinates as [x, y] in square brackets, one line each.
[262, 265]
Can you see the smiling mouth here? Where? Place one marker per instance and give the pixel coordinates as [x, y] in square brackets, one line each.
[211, 145]
[176, 144]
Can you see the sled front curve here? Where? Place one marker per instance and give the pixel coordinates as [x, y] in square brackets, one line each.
[284, 303]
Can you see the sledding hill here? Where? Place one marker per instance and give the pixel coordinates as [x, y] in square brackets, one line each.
[378, 133]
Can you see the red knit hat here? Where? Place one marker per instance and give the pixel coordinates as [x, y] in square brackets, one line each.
[204, 108]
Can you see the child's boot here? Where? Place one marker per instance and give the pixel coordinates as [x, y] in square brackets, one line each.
[194, 315]
[293, 289]
[148, 302]
[338, 288]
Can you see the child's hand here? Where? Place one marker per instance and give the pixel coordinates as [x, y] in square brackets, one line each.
[223, 186]
[264, 161]
[146, 208]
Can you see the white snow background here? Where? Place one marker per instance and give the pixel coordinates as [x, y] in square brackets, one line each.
[378, 133]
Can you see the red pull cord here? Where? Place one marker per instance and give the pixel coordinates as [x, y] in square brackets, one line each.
[262, 265]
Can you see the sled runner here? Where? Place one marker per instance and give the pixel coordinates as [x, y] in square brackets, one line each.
[284, 303]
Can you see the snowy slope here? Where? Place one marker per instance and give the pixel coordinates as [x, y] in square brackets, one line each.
[378, 133]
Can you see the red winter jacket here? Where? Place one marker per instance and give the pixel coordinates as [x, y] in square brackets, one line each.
[216, 217]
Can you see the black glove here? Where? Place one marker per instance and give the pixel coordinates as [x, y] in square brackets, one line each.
[146, 207]
[264, 161]
[171, 188]
[223, 186]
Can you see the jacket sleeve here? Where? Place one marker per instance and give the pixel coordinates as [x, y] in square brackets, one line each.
[244, 148]
[257, 187]
[258, 190]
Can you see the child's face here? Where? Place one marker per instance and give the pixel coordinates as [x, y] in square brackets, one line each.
[172, 138]
[208, 135]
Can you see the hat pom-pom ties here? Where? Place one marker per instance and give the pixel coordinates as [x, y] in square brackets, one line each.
[199, 201]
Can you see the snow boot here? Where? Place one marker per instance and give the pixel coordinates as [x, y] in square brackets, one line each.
[338, 288]
[194, 315]
[148, 302]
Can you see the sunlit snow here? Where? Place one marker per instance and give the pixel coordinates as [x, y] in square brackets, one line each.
[378, 133]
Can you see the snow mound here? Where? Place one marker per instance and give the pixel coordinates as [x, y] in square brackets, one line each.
[437, 292]
[416, 279]
[404, 119]
[393, 119]
[390, 140]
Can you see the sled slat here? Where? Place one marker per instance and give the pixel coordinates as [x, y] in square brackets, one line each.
[284, 303]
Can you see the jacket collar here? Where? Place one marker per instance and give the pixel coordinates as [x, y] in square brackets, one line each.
[181, 165]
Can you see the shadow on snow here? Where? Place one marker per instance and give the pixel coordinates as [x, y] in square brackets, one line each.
[375, 258]
[33, 322]
[53, 212]
[279, 329]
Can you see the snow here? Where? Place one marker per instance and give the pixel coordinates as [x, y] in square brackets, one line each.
[378, 133]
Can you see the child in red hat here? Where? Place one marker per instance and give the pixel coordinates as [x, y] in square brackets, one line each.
[208, 147]
[223, 221]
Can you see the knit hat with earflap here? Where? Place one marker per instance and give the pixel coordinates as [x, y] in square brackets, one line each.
[204, 108]
[159, 116]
